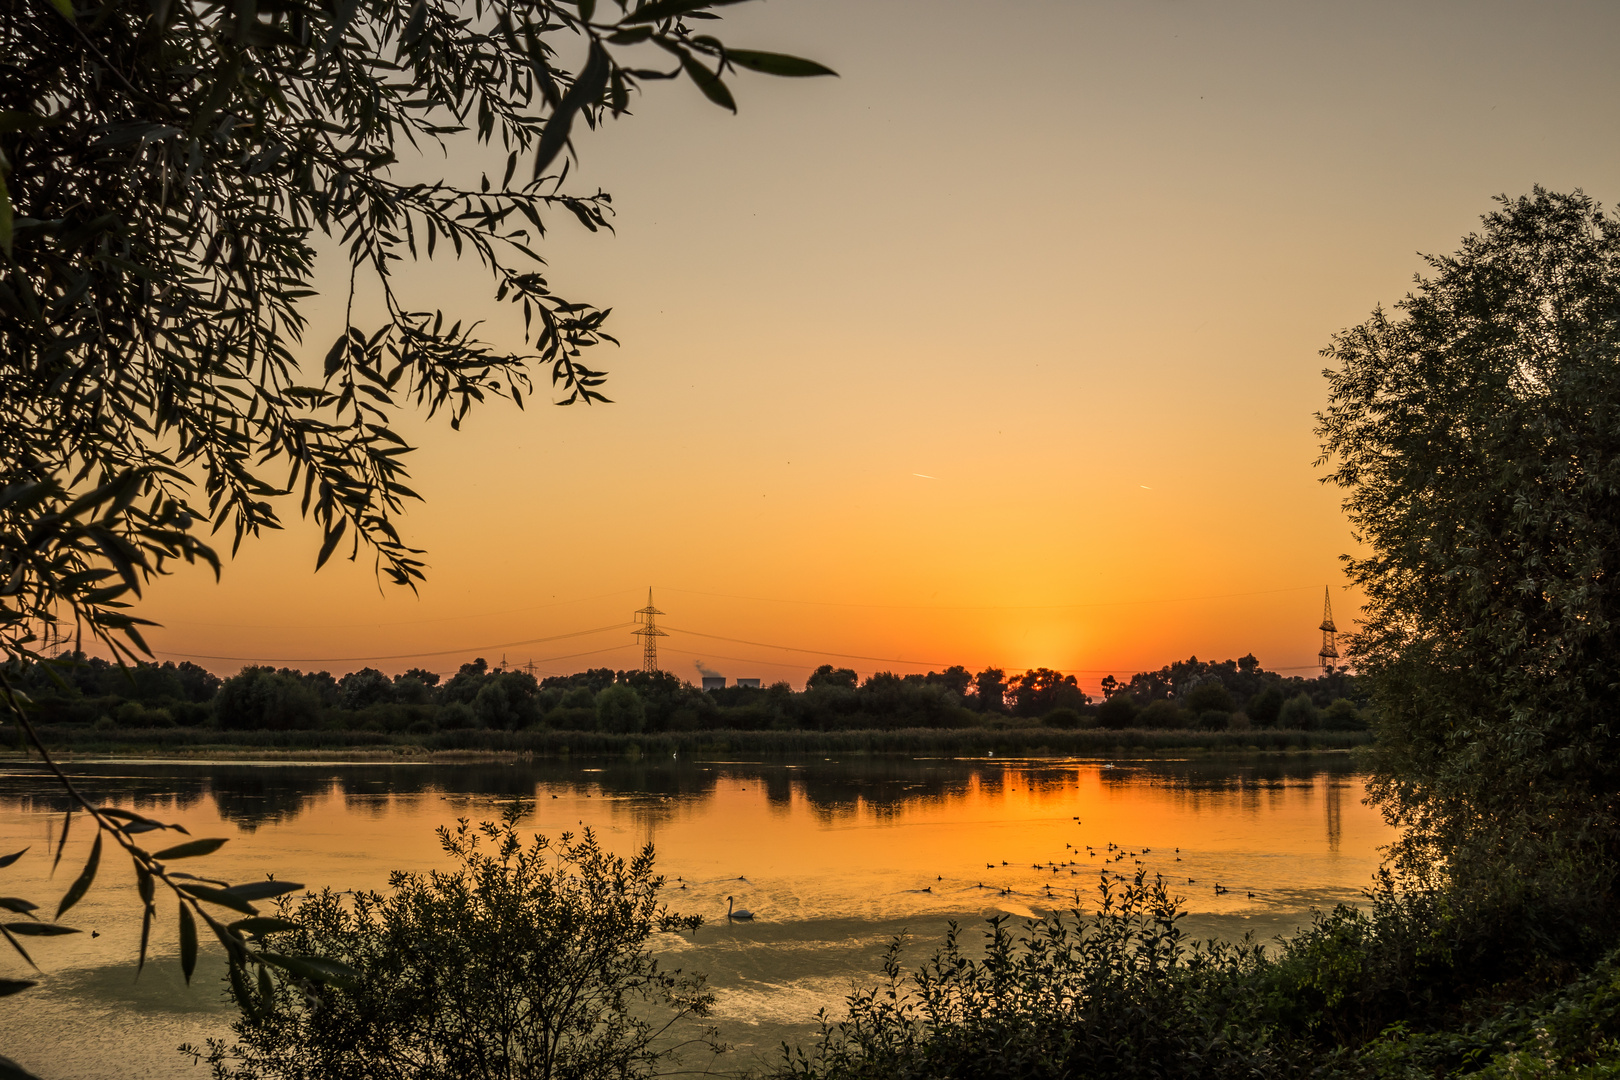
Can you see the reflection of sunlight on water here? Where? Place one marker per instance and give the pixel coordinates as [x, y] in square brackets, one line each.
[835, 857]
[784, 1004]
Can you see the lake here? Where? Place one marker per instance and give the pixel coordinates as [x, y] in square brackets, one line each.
[835, 856]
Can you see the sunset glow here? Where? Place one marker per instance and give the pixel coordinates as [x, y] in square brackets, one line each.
[912, 377]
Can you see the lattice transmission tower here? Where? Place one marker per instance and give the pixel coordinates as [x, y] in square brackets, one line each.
[649, 634]
[1330, 633]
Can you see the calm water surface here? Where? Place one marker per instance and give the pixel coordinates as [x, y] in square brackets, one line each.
[834, 855]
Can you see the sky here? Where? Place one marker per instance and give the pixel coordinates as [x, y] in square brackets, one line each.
[1002, 348]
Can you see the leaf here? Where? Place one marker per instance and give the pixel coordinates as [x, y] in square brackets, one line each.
[262, 924]
[17, 905]
[330, 543]
[239, 987]
[709, 83]
[221, 897]
[263, 890]
[15, 944]
[14, 986]
[10, 1070]
[315, 968]
[190, 849]
[587, 88]
[777, 63]
[7, 860]
[81, 884]
[659, 10]
[67, 819]
[129, 815]
[143, 880]
[188, 942]
[39, 929]
[66, 8]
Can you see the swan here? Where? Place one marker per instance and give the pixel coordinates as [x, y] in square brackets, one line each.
[736, 914]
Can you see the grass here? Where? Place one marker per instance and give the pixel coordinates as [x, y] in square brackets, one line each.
[960, 742]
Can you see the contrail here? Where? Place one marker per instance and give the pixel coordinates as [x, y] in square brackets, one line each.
[925, 476]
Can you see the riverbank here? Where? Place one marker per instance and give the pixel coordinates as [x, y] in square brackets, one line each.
[71, 739]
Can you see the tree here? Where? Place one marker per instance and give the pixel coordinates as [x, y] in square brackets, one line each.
[1476, 436]
[990, 687]
[1040, 690]
[619, 708]
[263, 698]
[827, 675]
[527, 960]
[163, 169]
[365, 687]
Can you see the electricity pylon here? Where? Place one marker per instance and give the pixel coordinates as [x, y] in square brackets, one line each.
[1330, 633]
[649, 634]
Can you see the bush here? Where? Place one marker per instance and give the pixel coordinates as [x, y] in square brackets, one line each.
[1067, 719]
[132, 714]
[456, 716]
[528, 961]
[1343, 715]
[1210, 696]
[1264, 707]
[1118, 711]
[620, 709]
[1298, 712]
[1118, 993]
[1162, 714]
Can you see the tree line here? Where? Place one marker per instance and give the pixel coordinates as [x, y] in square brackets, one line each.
[1187, 694]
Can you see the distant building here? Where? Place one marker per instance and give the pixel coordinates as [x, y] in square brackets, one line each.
[753, 683]
[715, 682]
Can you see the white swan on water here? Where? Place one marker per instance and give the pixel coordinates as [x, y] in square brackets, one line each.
[736, 914]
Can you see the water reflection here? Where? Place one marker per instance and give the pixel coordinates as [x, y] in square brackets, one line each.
[254, 795]
[837, 855]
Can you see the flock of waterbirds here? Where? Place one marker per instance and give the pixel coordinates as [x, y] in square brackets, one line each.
[1110, 854]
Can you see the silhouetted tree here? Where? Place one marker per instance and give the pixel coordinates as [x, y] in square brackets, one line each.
[827, 675]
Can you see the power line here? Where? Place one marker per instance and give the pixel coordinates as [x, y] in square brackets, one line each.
[813, 652]
[403, 656]
[393, 622]
[992, 607]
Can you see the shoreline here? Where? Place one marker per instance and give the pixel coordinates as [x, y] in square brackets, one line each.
[484, 746]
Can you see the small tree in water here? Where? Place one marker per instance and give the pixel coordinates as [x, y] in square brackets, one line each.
[530, 961]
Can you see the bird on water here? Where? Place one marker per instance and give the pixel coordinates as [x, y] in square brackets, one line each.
[733, 912]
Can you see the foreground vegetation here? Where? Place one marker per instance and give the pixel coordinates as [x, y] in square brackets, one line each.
[1412, 986]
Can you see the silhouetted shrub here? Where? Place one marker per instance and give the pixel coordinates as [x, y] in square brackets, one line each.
[1067, 719]
[132, 714]
[1118, 711]
[1342, 715]
[524, 960]
[1298, 712]
[1265, 706]
[1118, 992]
[1162, 714]
[620, 709]
[1210, 696]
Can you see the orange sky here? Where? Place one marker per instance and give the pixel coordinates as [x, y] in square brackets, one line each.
[1070, 262]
